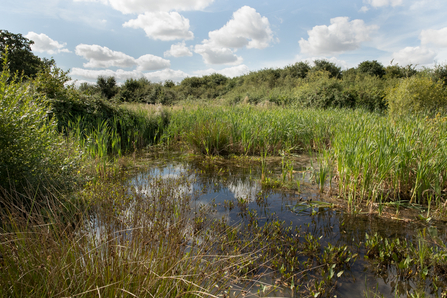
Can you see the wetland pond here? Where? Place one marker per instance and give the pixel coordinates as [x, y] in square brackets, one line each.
[311, 245]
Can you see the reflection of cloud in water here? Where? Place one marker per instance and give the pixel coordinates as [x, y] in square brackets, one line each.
[246, 190]
[180, 191]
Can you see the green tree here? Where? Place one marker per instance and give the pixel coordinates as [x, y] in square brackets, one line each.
[372, 68]
[107, 85]
[298, 70]
[334, 70]
[20, 57]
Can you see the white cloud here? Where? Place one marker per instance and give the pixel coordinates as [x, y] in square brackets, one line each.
[103, 57]
[414, 55]
[151, 62]
[247, 28]
[364, 9]
[44, 44]
[217, 55]
[178, 50]
[166, 74]
[229, 71]
[162, 25]
[122, 75]
[435, 37]
[142, 6]
[119, 74]
[382, 3]
[341, 36]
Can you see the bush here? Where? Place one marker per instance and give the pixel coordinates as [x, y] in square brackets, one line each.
[372, 68]
[416, 95]
[368, 91]
[321, 91]
[325, 65]
[32, 152]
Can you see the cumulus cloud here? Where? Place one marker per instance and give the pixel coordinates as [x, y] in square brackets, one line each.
[103, 57]
[44, 44]
[178, 50]
[229, 71]
[216, 55]
[414, 55]
[341, 36]
[142, 6]
[383, 3]
[162, 25]
[119, 74]
[151, 62]
[435, 37]
[122, 75]
[364, 9]
[166, 74]
[247, 28]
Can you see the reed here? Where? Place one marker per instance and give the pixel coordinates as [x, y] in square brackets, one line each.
[371, 155]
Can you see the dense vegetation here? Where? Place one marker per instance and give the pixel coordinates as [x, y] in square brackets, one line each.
[322, 85]
[69, 227]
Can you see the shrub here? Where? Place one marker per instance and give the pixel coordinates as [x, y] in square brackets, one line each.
[372, 68]
[32, 152]
[416, 95]
[368, 91]
[325, 65]
[321, 91]
[440, 74]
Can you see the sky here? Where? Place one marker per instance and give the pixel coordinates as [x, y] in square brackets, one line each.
[174, 39]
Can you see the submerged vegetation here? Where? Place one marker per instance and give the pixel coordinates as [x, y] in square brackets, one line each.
[71, 226]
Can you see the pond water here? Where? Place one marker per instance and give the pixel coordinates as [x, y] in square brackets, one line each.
[224, 183]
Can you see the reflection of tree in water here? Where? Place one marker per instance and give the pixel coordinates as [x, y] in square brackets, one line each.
[246, 190]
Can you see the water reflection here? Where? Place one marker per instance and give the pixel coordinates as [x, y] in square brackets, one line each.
[222, 182]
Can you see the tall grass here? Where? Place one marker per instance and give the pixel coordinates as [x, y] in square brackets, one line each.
[373, 155]
[250, 130]
[127, 244]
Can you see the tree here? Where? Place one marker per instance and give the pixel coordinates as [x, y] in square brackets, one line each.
[20, 57]
[334, 70]
[298, 70]
[373, 68]
[107, 85]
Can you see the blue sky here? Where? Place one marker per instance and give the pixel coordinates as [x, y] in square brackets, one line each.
[173, 39]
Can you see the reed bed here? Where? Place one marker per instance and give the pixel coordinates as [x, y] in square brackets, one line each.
[374, 157]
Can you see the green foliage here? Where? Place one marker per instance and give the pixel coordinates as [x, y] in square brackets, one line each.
[416, 95]
[372, 68]
[32, 152]
[367, 91]
[325, 65]
[440, 74]
[142, 90]
[323, 91]
[107, 86]
[297, 70]
[394, 71]
[20, 58]
[209, 86]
